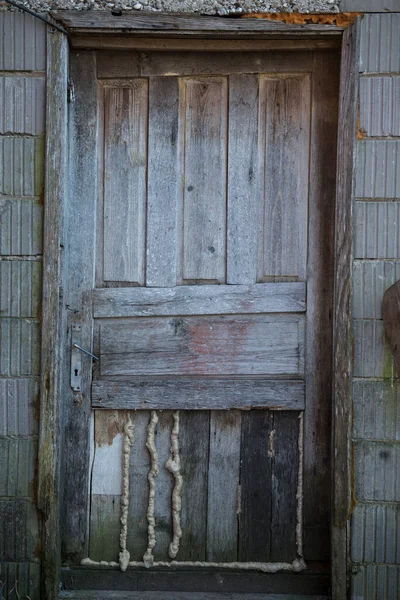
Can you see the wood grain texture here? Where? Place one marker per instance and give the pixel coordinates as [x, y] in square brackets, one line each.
[80, 244]
[163, 487]
[243, 190]
[194, 393]
[317, 448]
[151, 23]
[205, 299]
[125, 159]
[163, 175]
[255, 487]
[195, 63]
[218, 345]
[285, 470]
[105, 526]
[223, 486]
[139, 491]
[342, 328]
[53, 315]
[391, 319]
[284, 155]
[121, 42]
[194, 449]
[204, 114]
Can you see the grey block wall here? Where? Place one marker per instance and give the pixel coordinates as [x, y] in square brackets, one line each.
[22, 129]
[375, 528]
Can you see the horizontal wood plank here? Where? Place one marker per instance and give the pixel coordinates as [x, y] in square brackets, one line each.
[123, 42]
[205, 299]
[145, 64]
[203, 345]
[92, 21]
[198, 393]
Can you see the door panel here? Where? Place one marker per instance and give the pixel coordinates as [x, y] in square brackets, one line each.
[213, 188]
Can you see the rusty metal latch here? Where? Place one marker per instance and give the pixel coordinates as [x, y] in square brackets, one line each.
[76, 357]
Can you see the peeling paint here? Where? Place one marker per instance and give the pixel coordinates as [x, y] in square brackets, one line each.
[124, 555]
[173, 465]
[148, 558]
[108, 425]
[344, 19]
[299, 494]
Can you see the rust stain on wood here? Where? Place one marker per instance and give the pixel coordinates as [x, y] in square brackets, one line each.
[295, 18]
[108, 425]
[360, 130]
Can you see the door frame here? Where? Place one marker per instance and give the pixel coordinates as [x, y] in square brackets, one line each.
[87, 30]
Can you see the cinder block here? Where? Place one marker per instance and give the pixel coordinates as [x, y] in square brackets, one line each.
[380, 43]
[23, 577]
[23, 42]
[19, 347]
[17, 473]
[371, 278]
[21, 166]
[19, 530]
[377, 230]
[372, 354]
[375, 537]
[19, 400]
[20, 227]
[378, 164]
[23, 105]
[373, 582]
[20, 288]
[377, 471]
[380, 106]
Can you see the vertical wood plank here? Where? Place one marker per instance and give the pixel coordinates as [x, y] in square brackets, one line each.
[80, 244]
[223, 486]
[285, 467]
[139, 491]
[53, 313]
[125, 161]
[317, 455]
[204, 111]
[284, 154]
[255, 487]
[164, 184]
[164, 485]
[243, 190]
[342, 319]
[194, 452]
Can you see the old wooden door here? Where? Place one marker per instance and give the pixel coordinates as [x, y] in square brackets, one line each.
[200, 273]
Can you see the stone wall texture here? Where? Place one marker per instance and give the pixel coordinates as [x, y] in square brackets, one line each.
[375, 523]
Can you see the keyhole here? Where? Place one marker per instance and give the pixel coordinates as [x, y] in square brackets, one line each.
[76, 372]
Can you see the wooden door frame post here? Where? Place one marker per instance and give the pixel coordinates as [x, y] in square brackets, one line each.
[54, 272]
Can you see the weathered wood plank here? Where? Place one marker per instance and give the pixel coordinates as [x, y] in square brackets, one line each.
[223, 486]
[285, 467]
[317, 419]
[163, 487]
[80, 245]
[138, 490]
[342, 314]
[243, 190]
[121, 42]
[204, 127]
[284, 155]
[241, 345]
[205, 299]
[194, 451]
[106, 479]
[198, 394]
[163, 183]
[152, 23]
[255, 487]
[125, 158]
[195, 64]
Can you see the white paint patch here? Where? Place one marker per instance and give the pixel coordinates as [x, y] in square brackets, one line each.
[124, 555]
[271, 444]
[148, 559]
[107, 468]
[173, 465]
[299, 494]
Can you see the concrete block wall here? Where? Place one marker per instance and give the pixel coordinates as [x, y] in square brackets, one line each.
[375, 528]
[22, 130]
